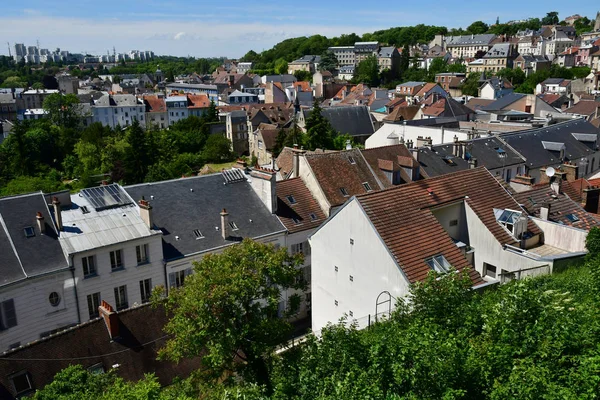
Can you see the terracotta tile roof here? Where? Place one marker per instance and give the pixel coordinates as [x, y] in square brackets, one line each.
[285, 160]
[304, 213]
[561, 206]
[425, 89]
[477, 103]
[198, 101]
[269, 137]
[155, 104]
[303, 85]
[346, 170]
[389, 158]
[395, 102]
[223, 77]
[404, 219]
[583, 107]
[402, 113]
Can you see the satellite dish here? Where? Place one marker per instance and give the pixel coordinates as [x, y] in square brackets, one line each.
[550, 172]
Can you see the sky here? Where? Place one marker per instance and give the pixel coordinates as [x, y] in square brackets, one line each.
[211, 28]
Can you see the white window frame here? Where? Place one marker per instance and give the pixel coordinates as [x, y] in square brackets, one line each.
[121, 302]
[86, 262]
[141, 253]
[116, 260]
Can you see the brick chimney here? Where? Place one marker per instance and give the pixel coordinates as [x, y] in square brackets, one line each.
[263, 183]
[571, 171]
[146, 212]
[111, 319]
[225, 224]
[57, 213]
[40, 222]
[590, 198]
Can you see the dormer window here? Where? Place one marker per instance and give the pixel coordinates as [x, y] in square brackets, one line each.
[291, 199]
[439, 264]
[513, 221]
[313, 217]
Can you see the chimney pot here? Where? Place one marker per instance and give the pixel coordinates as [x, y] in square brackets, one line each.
[111, 319]
[225, 224]
[57, 213]
[40, 221]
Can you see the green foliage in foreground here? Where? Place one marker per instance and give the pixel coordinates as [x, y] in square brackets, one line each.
[530, 339]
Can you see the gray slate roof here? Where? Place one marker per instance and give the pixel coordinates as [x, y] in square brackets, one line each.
[498, 50]
[21, 256]
[178, 211]
[466, 40]
[503, 102]
[351, 120]
[386, 51]
[530, 143]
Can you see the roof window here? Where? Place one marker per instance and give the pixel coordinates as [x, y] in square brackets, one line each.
[296, 220]
[233, 226]
[29, 231]
[448, 160]
[313, 217]
[572, 217]
[438, 264]
[84, 210]
[198, 234]
[351, 160]
[344, 192]
[291, 199]
[367, 186]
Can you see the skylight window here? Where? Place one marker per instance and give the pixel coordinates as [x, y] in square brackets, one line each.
[572, 217]
[313, 217]
[233, 226]
[438, 264]
[198, 234]
[352, 160]
[29, 232]
[84, 209]
[344, 192]
[448, 160]
[367, 186]
[296, 220]
[291, 199]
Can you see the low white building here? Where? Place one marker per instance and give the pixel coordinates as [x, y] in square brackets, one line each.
[367, 254]
[390, 134]
[119, 110]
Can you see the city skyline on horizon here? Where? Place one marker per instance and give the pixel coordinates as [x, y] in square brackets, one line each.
[231, 30]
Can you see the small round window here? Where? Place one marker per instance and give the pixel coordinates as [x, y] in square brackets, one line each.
[54, 299]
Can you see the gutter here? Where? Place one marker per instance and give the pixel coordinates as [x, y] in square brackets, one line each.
[72, 268]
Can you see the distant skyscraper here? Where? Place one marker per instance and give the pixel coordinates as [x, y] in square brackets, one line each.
[20, 52]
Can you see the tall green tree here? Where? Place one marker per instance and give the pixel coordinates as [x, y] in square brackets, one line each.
[319, 132]
[551, 18]
[137, 158]
[477, 28]
[367, 72]
[227, 310]
[63, 110]
[328, 62]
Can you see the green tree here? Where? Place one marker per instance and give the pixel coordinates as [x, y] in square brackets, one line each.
[404, 59]
[477, 28]
[328, 61]
[319, 132]
[592, 242]
[137, 159]
[470, 86]
[551, 18]
[228, 310]
[281, 66]
[367, 72]
[217, 149]
[63, 110]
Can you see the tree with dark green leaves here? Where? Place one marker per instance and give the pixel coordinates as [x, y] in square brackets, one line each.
[404, 59]
[137, 157]
[281, 66]
[227, 312]
[367, 72]
[477, 28]
[319, 132]
[217, 149]
[470, 87]
[63, 110]
[551, 18]
[328, 62]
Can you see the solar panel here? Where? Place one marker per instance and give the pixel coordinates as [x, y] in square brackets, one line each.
[105, 197]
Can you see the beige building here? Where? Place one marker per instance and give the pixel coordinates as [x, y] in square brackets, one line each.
[467, 46]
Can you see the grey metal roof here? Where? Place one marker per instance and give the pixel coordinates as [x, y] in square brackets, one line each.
[498, 50]
[351, 120]
[490, 152]
[529, 142]
[553, 81]
[386, 51]
[198, 86]
[125, 100]
[503, 102]
[102, 227]
[183, 205]
[22, 256]
[466, 40]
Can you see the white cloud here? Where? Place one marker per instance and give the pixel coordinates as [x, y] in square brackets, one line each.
[179, 35]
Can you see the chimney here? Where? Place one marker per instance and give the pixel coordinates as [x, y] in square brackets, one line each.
[146, 212]
[296, 161]
[556, 185]
[57, 213]
[40, 222]
[111, 319]
[473, 163]
[571, 171]
[455, 147]
[263, 183]
[224, 224]
[545, 211]
[590, 198]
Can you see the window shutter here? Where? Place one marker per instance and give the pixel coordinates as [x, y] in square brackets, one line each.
[172, 282]
[10, 316]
